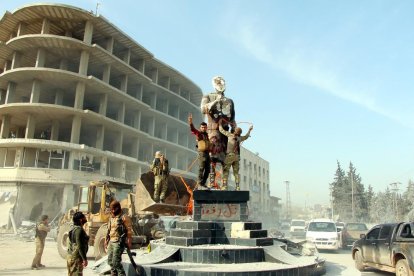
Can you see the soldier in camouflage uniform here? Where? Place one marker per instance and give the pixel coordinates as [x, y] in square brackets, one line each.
[119, 235]
[161, 171]
[41, 232]
[77, 246]
[233, 154]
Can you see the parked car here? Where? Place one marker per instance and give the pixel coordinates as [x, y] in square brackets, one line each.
[323, 233]
[387, 247]
[339, 226]
[351, 232]
[297, 227]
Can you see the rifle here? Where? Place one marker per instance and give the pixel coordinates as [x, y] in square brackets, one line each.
[122, 237]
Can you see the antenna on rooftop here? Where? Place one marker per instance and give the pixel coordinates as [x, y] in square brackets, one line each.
[97, 7]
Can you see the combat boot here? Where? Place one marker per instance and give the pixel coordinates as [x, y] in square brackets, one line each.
[237, 187]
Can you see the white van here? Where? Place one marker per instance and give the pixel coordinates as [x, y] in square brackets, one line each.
[323, 233]
[297, 227]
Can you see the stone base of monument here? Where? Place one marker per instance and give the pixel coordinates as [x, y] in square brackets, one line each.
[219, 239]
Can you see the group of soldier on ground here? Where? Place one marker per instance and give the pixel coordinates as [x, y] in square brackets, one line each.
[215, 144]
[118, 237]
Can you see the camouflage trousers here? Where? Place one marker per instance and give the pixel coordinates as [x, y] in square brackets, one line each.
[40, 245]
[203, 167]
[74, 265]
[160, 187]
[115, 250]
[232, 160]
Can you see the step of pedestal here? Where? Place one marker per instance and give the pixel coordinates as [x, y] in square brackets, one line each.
[222, 255]
[183, 241]
[245, 242]
[200, 225]
[219, 225]
[191, 233]
[249, 234]
[246, 226]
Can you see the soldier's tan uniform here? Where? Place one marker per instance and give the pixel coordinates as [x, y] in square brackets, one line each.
[161, 172]
[42, 230]
[232, 156]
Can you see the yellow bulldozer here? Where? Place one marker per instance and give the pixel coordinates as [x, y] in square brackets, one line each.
[145, 214]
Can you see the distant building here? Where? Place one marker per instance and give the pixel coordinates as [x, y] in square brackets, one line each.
[254, 177]
[80, 100]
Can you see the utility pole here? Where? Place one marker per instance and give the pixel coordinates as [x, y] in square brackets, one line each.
[395, 189]
[352, 196]
[287, 200]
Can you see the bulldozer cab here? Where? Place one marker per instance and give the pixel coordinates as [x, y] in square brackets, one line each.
[95, 198]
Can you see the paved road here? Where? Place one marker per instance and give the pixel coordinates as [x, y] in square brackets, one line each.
[17, 254]
[341, 264]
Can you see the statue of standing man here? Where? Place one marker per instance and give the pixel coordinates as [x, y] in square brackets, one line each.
[218, 108]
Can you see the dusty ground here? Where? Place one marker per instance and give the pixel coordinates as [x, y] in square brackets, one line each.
[17, 255]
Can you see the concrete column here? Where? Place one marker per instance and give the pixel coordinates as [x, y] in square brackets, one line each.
[79, 95]
[87, 37]
[18, 158]
[100, 135]
[68, 33]
[110, 44]
[35, 94]
[11, 92]
[137, 119]
[153, 101]
[167, 103]
[142, 69]
[5, 126]
[104, 164]
[154, 75]
[72, 157]
[76, 127]
[59, 97]
[123, 169]
[30, 127]
[83, 64]
[64, 64]
[121, 113]
[103, 103]
[16, 60]
[124, 83]
[152, 127]
[127, 56]
[118, 142]
[106, 73]
[177, 137]
[168, 83]
[135, 148]
[54, 133]
[45, 26]
[7, 63]
[41, 58]
[21, 28]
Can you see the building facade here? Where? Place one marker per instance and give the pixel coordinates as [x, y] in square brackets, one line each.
[80, 100]
[254, 177]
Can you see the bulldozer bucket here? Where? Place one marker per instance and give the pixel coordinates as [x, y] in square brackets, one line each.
[177, 199]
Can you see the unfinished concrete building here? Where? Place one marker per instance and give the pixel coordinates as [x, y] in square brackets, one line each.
[80, 100]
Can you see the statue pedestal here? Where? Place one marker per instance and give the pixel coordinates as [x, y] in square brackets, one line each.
[214, 205]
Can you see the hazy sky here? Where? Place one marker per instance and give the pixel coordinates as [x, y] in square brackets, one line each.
[320, 80]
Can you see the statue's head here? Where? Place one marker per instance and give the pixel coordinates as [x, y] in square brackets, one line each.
[219, 84]
[158, 154]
